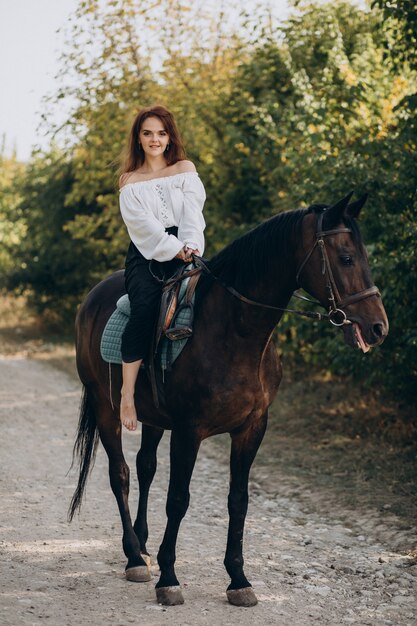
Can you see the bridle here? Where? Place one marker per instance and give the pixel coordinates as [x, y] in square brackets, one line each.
[336, 314]
[336, 302]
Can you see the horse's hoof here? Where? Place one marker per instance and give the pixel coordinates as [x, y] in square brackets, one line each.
[146, 558]
[169, 596]
[138, 574]
[242, 597]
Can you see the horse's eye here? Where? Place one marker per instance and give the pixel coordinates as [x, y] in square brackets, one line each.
[346, 259]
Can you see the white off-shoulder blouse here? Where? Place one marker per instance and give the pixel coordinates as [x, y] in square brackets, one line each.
[148, 207]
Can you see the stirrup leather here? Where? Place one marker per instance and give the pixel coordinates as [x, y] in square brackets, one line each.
[175, 331]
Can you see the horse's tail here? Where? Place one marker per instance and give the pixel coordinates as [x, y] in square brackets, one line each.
[85, 448]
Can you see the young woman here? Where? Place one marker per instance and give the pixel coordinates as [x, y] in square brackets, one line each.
[161, 202]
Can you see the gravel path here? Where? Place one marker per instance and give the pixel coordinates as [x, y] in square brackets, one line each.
[304, 568]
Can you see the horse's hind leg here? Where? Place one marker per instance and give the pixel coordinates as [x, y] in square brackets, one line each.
[245, 444]
[184, 448]
[146, 468]
[109, 426]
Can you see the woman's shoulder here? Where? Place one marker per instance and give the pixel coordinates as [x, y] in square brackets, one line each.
[124, 179]
[181, 167]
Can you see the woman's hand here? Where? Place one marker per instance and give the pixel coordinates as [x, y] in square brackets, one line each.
[185, 254]
[182, 254]
[189, 252]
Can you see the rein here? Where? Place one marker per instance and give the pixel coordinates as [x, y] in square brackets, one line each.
[311, 314]
[336, 303]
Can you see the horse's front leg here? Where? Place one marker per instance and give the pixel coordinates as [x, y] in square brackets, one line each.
[146, 468]
[184, 448]
[245, 444]
[109, 425]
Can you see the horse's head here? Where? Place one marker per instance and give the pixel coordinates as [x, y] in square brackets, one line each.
[333, 267]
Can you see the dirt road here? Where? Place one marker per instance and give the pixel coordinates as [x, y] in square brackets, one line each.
[305, 568]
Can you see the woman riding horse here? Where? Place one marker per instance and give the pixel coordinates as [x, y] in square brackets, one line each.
[227, 375]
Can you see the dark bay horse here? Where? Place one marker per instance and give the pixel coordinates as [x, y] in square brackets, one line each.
[228, 374]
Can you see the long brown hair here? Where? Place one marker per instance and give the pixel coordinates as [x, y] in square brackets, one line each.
[134, 155]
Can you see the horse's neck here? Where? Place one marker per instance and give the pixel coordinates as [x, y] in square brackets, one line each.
[239, 320]
[258, 322]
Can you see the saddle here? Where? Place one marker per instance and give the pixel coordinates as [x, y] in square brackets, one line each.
[168, 321]
[169, 310]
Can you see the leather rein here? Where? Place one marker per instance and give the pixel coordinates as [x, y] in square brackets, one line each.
[336, 314]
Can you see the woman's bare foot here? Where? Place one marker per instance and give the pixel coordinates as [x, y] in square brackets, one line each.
[128, 415]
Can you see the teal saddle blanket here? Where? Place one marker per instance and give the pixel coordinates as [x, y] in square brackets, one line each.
[168, 351]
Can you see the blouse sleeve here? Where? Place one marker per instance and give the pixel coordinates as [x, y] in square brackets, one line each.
[191, 226]
[145, 231]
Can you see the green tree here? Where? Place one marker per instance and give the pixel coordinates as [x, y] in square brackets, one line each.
[12, 230]
[50, 266]
[399, 22]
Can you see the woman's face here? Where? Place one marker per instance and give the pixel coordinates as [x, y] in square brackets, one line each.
[153, 137]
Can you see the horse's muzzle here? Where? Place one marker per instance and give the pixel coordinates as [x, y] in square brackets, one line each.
[364, 336]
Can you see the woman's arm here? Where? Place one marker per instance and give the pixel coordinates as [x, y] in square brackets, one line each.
[192, 224]
[145, 231]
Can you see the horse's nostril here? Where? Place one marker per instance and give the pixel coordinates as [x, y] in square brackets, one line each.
[378, 330]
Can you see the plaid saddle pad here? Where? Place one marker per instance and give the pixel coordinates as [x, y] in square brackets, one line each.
[169, 351]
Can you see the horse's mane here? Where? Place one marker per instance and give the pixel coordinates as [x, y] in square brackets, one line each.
[248, 258]
[251, 255]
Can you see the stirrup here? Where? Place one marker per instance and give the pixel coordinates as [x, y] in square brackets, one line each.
[181, 332]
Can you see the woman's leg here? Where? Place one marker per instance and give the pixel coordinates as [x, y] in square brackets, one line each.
[144, 295]
[128, 415]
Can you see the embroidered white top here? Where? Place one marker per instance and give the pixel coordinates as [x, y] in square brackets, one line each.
[148, 207]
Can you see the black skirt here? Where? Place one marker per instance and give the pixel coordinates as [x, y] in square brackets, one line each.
[143, 284]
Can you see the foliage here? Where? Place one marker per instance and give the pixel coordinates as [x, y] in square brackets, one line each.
[400, 24]
[51, 266]
[375, 152]
[275, 117]
[12, 230]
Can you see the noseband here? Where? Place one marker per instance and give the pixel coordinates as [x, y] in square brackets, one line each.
[336, 315]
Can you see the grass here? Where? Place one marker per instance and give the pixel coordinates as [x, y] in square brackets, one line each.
[353, 445]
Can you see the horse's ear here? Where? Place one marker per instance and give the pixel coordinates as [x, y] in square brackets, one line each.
[354, 208]
[333, 215]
